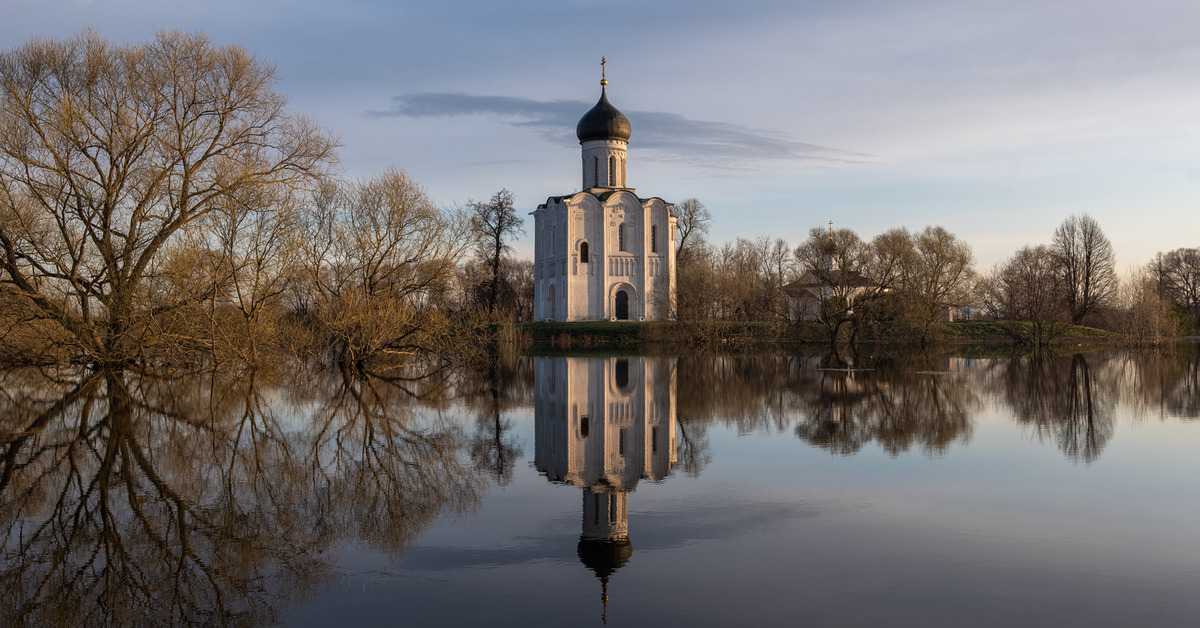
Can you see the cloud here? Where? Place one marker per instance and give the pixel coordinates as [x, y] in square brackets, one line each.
[666, 136]
[670, 525]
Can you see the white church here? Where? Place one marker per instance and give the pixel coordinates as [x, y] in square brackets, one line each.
[604, 253]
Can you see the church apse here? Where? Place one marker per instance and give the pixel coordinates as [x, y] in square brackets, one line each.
[604, 425]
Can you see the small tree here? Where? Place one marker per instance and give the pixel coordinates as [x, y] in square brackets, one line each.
[1178, 275]
[1025, 291]
[1147, 316]
[691, 225]
[1086, 266]
[377, 255]
[494, 222]
[937, 273]
[840, 275]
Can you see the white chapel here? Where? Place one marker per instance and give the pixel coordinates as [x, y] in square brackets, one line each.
[604, 253]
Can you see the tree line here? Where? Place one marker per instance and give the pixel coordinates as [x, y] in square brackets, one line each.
[901, 284]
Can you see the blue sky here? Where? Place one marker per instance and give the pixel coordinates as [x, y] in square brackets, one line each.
[995, 119]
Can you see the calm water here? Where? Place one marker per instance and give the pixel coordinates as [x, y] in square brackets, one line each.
[908, 490]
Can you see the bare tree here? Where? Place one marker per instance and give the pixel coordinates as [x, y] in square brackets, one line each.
[776, 268]
[255, 243]
[694, 298]
[1024, 291]
[1087, 266]
[840, 274]
[1178, 276]
[1146, 313]
[691, 225]
[494, 223]
[937, 274]
[108, 152]
[376, 254]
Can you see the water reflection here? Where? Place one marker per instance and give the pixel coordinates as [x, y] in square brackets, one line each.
[604, 424]
[905, 402]
[836, 403]
[493, 388]
[206, 499]
[1068, 399]
[147, 499]
[898, 404]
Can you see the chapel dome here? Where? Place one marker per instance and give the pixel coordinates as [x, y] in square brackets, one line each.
[603, 122]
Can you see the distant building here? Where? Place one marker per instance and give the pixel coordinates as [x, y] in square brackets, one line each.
[604, 253]
[807, 294]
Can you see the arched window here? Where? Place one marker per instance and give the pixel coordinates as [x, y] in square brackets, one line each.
[621, 237]
[612, 171]
[583, 252]
[653, 238]
[595, 172]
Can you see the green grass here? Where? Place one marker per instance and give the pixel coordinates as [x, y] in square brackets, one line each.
[610, 337]
[994, 331]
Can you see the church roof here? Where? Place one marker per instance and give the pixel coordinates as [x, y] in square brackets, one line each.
[603, 122]
[828, 278]
[603, 197]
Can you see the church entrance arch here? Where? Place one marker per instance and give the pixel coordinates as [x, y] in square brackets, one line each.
[622, 302]
[621, 305]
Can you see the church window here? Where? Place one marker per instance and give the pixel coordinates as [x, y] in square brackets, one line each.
[583, 252]
[612, 171]
[621, 237]
[654, 440]
[621, 441]
[584, 425]
[595, 171]
[653, 238]
[612, 507]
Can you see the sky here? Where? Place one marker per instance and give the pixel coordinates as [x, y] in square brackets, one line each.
[996, 119]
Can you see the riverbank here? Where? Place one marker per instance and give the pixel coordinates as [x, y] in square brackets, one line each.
[672, 337]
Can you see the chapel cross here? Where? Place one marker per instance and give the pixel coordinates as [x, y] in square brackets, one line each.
[602, 62]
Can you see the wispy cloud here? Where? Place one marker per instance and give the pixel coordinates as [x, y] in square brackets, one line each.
[667, 136]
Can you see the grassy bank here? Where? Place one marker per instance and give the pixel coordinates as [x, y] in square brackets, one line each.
[669, 336]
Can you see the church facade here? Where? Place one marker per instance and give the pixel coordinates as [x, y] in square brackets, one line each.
[604, 253]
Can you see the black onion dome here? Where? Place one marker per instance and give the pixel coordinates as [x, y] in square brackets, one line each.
[604, 557]
[603, 122]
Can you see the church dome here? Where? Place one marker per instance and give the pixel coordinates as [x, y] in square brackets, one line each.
[603, 122]
[604, 557]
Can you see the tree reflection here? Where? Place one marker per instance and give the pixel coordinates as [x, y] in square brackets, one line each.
[129, 499]
[493, 447]
[1065, 398]
[832, 402]
[900, 404]
[1182, 399]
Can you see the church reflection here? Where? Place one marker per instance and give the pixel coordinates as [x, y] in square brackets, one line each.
[604, 424]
